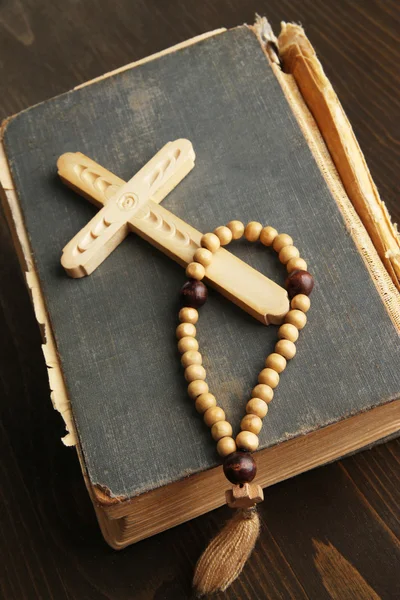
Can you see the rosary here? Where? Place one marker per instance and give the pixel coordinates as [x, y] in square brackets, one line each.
[224, 558]
[134, 206]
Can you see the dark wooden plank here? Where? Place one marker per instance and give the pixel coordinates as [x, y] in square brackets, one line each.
[51, 547]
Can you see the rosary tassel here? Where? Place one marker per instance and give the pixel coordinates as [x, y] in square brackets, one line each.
[224, 558]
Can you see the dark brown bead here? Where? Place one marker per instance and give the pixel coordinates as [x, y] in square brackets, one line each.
[194, 294]
[299, 282]
[240, 467]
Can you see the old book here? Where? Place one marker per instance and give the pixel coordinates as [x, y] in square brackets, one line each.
[109, 339]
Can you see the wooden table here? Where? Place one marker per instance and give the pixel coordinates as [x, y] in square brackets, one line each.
[330, 533]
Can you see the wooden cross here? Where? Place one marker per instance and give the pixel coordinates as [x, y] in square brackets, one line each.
[134, 206]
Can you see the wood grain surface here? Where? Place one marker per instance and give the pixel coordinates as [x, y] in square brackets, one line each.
[330, 533]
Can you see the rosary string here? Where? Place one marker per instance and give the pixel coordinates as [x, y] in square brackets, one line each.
[223, 560]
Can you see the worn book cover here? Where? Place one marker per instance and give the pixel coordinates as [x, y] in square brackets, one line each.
[110, 338]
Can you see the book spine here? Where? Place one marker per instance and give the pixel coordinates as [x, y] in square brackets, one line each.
[300, 60]
[298, 89]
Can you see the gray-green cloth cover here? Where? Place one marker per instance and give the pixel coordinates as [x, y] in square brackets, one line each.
[115, 330]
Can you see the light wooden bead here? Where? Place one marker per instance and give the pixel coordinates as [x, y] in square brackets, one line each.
[245, 440]
[252, 231]
[296, 264]
[265, 392]
[301, 302]
[193, 372]
[224, 235]
[187, 343]
[288, 332]
[275, 361]
[288, 253]
[221, 429]
[203, 256]
[195, 388]
[267, 235]
[269, 377]
[213, 415]
[185, 330]
[257, 407]
[286, 348]
[237, 229]
[188, 315]
[297, 318]
[191, 357]
[226, 446]
[195, 270]
[204, 402]
[282, 240]
[211, 242]
[251, 423]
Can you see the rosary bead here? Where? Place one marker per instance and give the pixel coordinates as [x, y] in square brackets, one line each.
[301, 302]
[194, 372]
[191, 357]
[188, 315]
[258, 407]
[267, 235]
[237, 229]
[238, 464]
[252, 231]
[240, 467]
[194, 294]
[265, 392]
[251, 423]
[211, 242]
[288, 332]
[203, 256]
[221, 429]
[187, 343]
[288, 253]
[296, 264]
[245, 440]
[299, 282]
[213, 415]
[226, 446]
[282, 240]
[275, 361]
[197, 387]
[297, 318]
[286, 348]
[185, 330]
[204, 402]
[269, 377]
[224, 234]
[195, 270]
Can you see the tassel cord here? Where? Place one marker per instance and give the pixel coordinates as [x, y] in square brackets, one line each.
[224, 558]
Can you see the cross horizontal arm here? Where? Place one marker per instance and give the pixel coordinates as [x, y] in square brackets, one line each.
[248, 288]
[91, 246]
